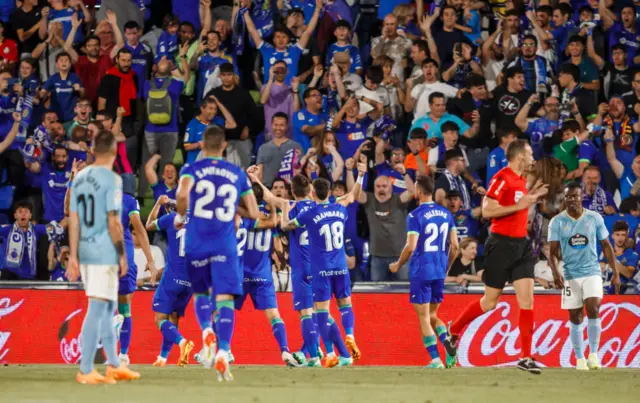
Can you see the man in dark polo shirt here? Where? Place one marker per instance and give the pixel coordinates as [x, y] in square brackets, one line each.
[273, 154]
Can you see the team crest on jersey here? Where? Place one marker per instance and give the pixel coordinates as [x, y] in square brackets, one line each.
[6, 50]
[460, 219]
[518, 196]
[300, 115]
[578, 241]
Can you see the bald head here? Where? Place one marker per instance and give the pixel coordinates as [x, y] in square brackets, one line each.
[382, 188]
[390, 26]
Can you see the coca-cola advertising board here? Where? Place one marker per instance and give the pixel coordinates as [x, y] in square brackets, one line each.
[43, 326]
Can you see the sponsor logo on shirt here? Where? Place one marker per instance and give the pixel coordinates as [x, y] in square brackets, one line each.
[509, 105]
[578, 241]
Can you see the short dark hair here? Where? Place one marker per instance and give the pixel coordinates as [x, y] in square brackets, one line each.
[307, 93]
[92, 38]
[449, 127]
[576, 38]
[375, 74]
[278, 180]
[59, 147]
[206, 102]
[421, 44]
[187, 24]
[61, 55]
[132, 24]
[570, 125]
[340, 184]
[476, 80]
[321, 186]
[213, 138]
[170, 19]
[515, 148]
[283, 30]
[545, 9]
[226, 68]
[300, 186]
[434, 95]
[342, 23]
[513, 71]
[629, 204]
[453, 153]
[500, 133]
[564, 9]
[425, 183]
[257, 191]
[104, 142]
[511, 13]
[418, 133]
[618, 46]
[572, 70]
[428, 61]
[123, 51]
[105, 114]
[216, 33]
[452, 194]
[530, 37]
[23, 204]
[573, 185]
[621, 225]
[584, 8]
[281, 115]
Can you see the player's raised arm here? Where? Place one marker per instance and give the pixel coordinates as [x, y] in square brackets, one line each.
[153, 215]
[253, 172]
[143, 238]
[354, 194]
[267, 222]
[285, 223]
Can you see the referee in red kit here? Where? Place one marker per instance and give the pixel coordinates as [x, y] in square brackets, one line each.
[507, 251]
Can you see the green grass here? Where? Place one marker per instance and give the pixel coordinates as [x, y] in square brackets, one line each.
[56, 383]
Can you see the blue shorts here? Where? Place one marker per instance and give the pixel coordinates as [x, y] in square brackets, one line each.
[172, 295]
[219, 273]
[426, 291]
[127, 284]
[263, 294]
[326, 283]
[301, 286]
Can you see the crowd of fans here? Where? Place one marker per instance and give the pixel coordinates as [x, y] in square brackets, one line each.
[313, 87]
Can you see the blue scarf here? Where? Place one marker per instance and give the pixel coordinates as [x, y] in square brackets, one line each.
[15, 248]
[598, 200]
[457, 183]
[239, 32]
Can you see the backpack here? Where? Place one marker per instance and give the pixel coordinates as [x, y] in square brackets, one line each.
[159, 106]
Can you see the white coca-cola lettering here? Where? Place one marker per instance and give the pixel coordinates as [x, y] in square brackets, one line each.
[6, 309]
[492, 337]
[70, 346]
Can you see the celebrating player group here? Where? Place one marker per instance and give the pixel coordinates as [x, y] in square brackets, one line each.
[223, 224]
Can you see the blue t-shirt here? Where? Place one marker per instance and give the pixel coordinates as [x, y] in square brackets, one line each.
[59, 273]
[54, 188]
[96, 191]
[64, 16]
[592, 155]
[631, 41]
[578, 242]
[626, 183]
[435, 129]
[140, 64]
[611, 220]
[187, 10]
[495, 162]
[63, 96]
[161, 189]
[466, 225]
[167, 46]
[176, 267]
[350, 136]
[193, 134]
[432, 224]
[218, 187]
[291, 56]
[353, 51]
[325, 224]
[175, 89]
[560, 36]
[305, 118]
[207, 64]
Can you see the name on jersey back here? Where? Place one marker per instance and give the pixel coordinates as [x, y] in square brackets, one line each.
[217, 171]
[328, 214]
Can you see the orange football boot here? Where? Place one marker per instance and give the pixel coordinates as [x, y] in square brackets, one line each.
[185, 350]
[352, 347]
[122, 373]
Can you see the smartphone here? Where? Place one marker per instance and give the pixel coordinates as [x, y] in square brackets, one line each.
[458, 49]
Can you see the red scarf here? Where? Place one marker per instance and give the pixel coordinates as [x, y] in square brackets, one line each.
[127, 88]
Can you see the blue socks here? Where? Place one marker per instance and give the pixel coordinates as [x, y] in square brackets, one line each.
[216, 317]
[280, 333]
[309, 335]
[97, 323]
[225, 324]
[431, 344]
[575, 334]
[348, 319]
[166, 348]
[320, 320]
[204, 309]
[593, 333]
[125, 330]
[170, 332]
[441, 331]
[336, 338]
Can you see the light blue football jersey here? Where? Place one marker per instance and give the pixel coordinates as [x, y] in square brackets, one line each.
[578, 241]
[96, 192]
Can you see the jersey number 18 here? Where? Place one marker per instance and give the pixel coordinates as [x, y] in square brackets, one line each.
[333, 236]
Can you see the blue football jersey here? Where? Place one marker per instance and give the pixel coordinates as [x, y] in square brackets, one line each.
[175, 262]
[130, 206]
[299, 238]
[256, 259]
[325, 224]
[578, 242]
[627, 258]
[433, 225]
[96, 192]
[217, 189]
[465, 224]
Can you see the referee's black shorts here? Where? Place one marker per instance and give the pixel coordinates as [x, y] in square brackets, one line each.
[506, 260]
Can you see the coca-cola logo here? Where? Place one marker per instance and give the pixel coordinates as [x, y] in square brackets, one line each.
[6, 309]
[69, 336]
[493, 339]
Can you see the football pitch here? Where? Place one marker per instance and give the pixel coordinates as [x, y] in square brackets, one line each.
[271, 384]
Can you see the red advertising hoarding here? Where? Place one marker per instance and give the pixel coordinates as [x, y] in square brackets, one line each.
[43, 326]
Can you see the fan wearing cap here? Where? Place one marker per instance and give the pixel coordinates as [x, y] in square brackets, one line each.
[280, 50]
[342, 44]
[340, 72]
[417, 143]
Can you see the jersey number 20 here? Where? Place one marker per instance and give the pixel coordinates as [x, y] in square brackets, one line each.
[226, 191]
[432, 231]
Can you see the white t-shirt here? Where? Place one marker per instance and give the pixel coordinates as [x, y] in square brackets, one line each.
[352, 82]
[141, 261]
[432, 161]
[421, 94]
[380, 95]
